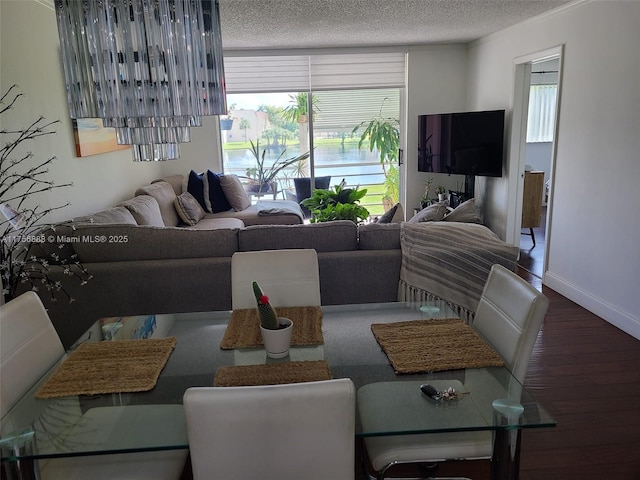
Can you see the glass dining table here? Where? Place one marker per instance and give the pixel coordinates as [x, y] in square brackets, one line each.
[388, 403]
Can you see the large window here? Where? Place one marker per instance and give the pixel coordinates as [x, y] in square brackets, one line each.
[542, 113]
[263, 111]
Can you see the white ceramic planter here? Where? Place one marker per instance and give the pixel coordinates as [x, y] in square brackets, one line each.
[277, 342]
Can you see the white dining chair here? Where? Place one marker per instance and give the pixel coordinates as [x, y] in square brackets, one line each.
[289, 277]
[509, 316]
[289, 431]
[29, 347]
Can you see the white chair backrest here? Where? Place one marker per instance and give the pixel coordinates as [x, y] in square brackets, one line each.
[509, 317]
[290, 278]
[290, 431]
[29, 346]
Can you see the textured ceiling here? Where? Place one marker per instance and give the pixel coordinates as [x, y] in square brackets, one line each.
[253, 24]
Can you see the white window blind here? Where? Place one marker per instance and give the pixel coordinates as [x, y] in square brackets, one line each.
[300, 73]
[542, 113]
[372, 70]
[342, 110]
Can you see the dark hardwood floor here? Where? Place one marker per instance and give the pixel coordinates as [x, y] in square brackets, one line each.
[532, 257]
[586, 372]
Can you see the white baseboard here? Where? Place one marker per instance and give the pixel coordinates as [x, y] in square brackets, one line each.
[623, 320]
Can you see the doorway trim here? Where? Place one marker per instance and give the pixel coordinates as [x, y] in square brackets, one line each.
[518, 143]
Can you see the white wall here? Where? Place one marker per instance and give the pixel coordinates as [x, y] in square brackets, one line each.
[592, 240]
[436, 83]
[30, 57]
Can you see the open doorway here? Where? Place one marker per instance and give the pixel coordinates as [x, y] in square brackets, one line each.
[540, 89]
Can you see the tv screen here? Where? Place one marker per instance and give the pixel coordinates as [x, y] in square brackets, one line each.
[468, 143]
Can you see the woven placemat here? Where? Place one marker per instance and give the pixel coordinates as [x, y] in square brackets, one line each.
[272, 373]
[423, 346]
[243, 330]
[110, 367]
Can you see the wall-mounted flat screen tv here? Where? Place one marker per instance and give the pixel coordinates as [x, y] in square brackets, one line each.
[467, 143]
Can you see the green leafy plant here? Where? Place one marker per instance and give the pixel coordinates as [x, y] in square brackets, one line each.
[263, 175]
[424, 201]
[440, 189]
[298, 110]
[392, 185]
[383, 134]
[339, 203]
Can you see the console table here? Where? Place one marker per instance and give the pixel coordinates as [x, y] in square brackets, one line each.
[532, 201]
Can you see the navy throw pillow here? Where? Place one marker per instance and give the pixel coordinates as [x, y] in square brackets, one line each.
[195, 186]
[214, 198]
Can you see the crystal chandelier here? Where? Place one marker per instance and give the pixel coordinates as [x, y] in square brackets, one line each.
[149, 68]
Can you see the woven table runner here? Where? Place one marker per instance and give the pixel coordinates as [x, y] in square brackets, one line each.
[272, 373]
[243, 330]
[110, 367]
[424, 346]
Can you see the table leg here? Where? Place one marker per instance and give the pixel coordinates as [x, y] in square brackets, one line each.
[18, 446]
[505, 462]
[21, 469]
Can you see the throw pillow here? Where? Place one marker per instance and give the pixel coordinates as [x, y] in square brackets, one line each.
[394, 215]
[188, 208]
[433, 213]
[165, 195]
[145, 210]
[194, 184]
[215, 199]
[465, 212]
[235, 192]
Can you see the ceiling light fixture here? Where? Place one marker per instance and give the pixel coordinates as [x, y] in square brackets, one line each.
[149, 68]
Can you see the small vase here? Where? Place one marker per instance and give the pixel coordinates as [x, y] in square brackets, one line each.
[442, 197]
[278, 342]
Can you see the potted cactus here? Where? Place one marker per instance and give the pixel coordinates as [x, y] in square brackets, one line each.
[276, 331]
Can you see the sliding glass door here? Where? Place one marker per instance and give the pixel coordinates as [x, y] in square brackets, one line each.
[352, 132]
[279, 125]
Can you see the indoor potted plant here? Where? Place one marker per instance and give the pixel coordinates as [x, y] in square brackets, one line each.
[262, 176]
[276, 331]
[442, 193]
[339, 203]
[425, 201]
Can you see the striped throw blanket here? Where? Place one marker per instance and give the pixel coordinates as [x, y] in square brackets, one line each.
[450, 261]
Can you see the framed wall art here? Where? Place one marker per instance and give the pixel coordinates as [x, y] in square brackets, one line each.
[92, 138]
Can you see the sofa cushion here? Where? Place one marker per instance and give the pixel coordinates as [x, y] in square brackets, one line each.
[208, 223]
[394, 215]
[235, 192]
[465, 212]
[250, 216]
[188, 208]
[433, 213]
[145, 210]
[214, 197]
[134, 242]
[165, 196]
[323, 237]
[110, 215]
[379, 236]
[194, 184]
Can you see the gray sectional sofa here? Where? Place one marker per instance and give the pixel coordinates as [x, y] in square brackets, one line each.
[143, 269]
[145, 260]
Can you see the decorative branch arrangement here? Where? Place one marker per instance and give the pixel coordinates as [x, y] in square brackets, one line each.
[26, 252]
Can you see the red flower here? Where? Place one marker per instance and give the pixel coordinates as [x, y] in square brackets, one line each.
[263, 300]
